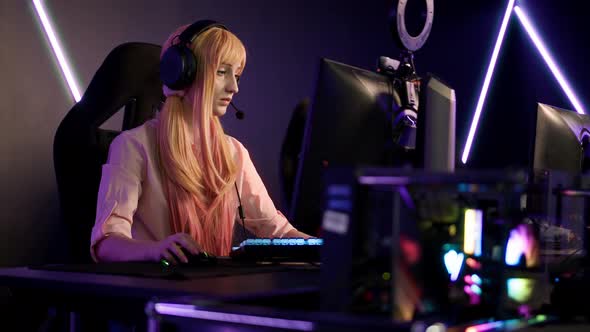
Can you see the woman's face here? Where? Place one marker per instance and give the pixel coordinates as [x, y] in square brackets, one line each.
[226, 86]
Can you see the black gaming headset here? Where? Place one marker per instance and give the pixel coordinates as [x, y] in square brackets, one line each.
[178, 64]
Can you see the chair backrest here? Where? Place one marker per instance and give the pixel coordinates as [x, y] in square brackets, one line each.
[128, 79]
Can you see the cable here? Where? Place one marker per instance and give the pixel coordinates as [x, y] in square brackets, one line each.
[241, 211]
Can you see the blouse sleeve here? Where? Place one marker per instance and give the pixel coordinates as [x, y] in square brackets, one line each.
[261, 216]
[120, 189]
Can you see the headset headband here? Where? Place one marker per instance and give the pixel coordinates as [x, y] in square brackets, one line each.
[192, 31]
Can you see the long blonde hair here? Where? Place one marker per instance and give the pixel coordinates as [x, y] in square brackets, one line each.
[199, 178]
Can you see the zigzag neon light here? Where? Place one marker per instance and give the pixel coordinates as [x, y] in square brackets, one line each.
[546, 57]
[63, 63]
[486, 81]
[532, 32]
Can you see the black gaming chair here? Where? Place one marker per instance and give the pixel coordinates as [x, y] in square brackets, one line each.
[128, 78]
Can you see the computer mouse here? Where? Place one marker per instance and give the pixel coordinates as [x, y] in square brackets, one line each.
[200, 259]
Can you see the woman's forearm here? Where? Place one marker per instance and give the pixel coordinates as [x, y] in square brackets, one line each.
[118, 248]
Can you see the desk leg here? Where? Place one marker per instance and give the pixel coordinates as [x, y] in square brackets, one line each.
[74, 322]
[153, 324]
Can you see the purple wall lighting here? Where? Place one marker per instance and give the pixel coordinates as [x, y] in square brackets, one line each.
[534, 36]
[532, 33]
[486, 82]
[57, 50]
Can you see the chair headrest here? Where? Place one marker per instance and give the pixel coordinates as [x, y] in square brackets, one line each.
[130, 72]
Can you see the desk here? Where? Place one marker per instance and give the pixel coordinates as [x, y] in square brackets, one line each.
[112, 295]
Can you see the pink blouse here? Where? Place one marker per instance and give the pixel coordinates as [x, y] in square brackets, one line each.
[132, 200]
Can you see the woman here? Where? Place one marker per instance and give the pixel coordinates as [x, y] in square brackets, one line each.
[175, 183]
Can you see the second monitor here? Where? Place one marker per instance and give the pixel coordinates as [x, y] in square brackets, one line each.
[350, 124]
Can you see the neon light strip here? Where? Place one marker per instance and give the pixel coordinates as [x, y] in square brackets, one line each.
[391, 180]
[507, 325]
[472, 233]
[485, 326]
[183, 310]
[532, 32]
[57, 50]
[486, 82]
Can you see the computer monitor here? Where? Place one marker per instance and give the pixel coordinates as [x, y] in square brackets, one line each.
[436, 126]
[561, 141]
[560, 160]
[350, 124]
[559, 201]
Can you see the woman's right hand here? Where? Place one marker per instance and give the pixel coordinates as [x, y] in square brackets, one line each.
[171, 247]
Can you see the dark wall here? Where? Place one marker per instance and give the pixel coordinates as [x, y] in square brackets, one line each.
[285, 41]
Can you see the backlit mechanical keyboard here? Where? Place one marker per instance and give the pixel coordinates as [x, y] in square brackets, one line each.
[283, 250]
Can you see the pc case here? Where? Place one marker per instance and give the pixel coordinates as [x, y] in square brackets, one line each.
[412, 244]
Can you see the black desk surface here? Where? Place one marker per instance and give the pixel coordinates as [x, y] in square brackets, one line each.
[205, 282]
[97, 293]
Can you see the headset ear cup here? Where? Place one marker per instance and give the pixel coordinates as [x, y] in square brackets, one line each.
[177, 67]
[189, 68]
[171, 67]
